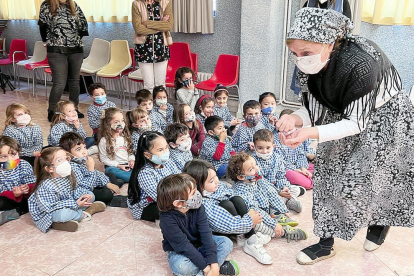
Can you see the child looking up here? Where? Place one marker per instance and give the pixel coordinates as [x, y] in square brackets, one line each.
[160, 98]
[185, 91]
[20, 127]
[267, 102]
[179, 140]
[221, 95]
[216, 147]
[145, 101]
[204, 108]
[187, 239]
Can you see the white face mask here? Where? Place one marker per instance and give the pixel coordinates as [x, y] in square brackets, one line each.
[264, 156]
[207, 194]
[23, 120]
[311, 64]
[118, 127]
[160, 102]
[191, 117]
[64, 169]
[184, 147]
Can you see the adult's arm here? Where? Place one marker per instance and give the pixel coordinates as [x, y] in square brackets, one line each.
[139, 28]
[163, 25]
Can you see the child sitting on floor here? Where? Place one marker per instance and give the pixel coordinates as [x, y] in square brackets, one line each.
[178, 138]
[267, 102]
[221, 95]
[145, 101]
[16, 181]
[56, 200]
[185, 91]
[227, 214]
[20, 127]
[187, 239]
[272, 168]
[160, 98]
[204, 108]
[243, 138]
[216, 147]
[261, 197]
[153, 163]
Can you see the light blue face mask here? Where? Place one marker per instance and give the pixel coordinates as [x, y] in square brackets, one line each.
[161, 160]
[100, 100]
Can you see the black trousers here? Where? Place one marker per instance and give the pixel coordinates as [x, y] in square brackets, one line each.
[103, 194]
[7, 204]
[151, 212]
[237, 207]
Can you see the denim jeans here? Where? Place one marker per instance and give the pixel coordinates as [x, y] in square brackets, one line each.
[90, 141]
[66, 214]
[182, 266]
[65, 68]
[120, 174]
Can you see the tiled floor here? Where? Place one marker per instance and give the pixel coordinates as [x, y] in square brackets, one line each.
[112, 243]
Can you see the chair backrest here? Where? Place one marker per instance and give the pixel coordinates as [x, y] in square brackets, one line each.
[227, 70]
[180, 56]
[3, 45]
[39, 52]
[132, 52]
[18, 45]
[194, 58]
[120, 57]
[100, 53]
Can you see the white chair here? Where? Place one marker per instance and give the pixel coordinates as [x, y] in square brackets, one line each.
[135, 76]
[39, 54]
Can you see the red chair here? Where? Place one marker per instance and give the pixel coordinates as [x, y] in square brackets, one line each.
[18, 52]
[32, 67]
[194, 58]
[225, 73]
[180, 56]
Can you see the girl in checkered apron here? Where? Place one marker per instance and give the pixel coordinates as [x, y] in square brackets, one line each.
[19, 126]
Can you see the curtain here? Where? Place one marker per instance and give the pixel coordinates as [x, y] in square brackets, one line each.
[388, 12]
[18, 9]
[193, 16]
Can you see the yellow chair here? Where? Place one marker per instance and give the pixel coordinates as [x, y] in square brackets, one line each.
[120, 61]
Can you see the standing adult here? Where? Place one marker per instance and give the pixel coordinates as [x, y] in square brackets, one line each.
[365, 158]
[152, 21]
[62, 25]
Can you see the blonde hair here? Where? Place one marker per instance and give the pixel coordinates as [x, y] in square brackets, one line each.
[106, 132]
[54, 4]
[60, 106]
[134, 115]
[10, 113]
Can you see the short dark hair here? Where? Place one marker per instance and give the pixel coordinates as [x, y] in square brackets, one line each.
[157, 89]
[212, 121]
[174, 130]
[250, 104]
[70, 140]
[235, 167]
[286, 111]
[263, 135]
[143, 95]
[95, 86]
[173, 187]
[198, 169]
[266, 94]
[12, 143]
[220, 89]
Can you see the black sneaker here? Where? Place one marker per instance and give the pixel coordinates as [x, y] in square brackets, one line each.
[119, 201]
[80, 114]
[229, 268]
[50, 115]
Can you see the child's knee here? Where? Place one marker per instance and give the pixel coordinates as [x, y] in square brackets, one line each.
[224, 244]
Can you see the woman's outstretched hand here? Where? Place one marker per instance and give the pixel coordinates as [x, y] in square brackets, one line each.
[286, 123]
[294, 139]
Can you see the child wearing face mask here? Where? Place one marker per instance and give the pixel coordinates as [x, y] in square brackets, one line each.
[97, 92]
[243, 138]
[16, 180]
[272, 167]
[20, 127]
[204, 108]
[227, 214]
[64, 120]
[185, 91]
[83, 167]
[115, 145]
[221, 95]
[187, 239]
[56, 201]
[178, 138]
[160, 98]
[139, 122]
[261, 196]
[145, 101]
[267, 102]
[153, 163]
[185, 115]
[217, 148]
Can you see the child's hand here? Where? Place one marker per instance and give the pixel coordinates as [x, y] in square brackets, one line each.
[279, 231]
[90, 163]
[285, 193]
[191, 85]
[125, 168]
[25, 189]
[251, 145]
[114, 188]
[234, 121]
[163, 107]
[131, 164]
[36, 153]
[223, 136]
[306, 172]
[256, 217]
[273, 120]
[214, 270]
[76, 123]
[84, 201]
[17, 191]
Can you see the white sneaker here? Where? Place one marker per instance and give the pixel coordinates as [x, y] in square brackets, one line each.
[93, 150]
[263, 238]
[370, 246]
[240, 239]
[257, 251]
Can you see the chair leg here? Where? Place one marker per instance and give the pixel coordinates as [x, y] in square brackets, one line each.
[129, 93]
[84, 83]
[34, 78]
[121, 90]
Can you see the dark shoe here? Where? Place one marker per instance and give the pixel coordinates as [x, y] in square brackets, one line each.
[50, 115]
[80, 114]
[119, 201]
[375, 237]
[315, 253]
[69, 226]
[229, 268]
[9, 215]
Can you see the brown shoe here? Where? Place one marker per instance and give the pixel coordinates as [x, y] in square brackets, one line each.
[69, 226]
[96, 207]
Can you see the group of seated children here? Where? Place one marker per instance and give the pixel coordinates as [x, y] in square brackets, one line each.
[152, 150]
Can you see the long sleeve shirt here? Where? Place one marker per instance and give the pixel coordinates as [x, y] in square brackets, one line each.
[121, 153]
[197, 137]
[166, 114]
[157, 120]
[61, 128]
[243, 135]
[186, 96]
[294, 158]
[21, 175]
[185, 233]
[30, 138]
[87, 179]
[215, 152]
[224, 113]
[94, 113]
[180, 158]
